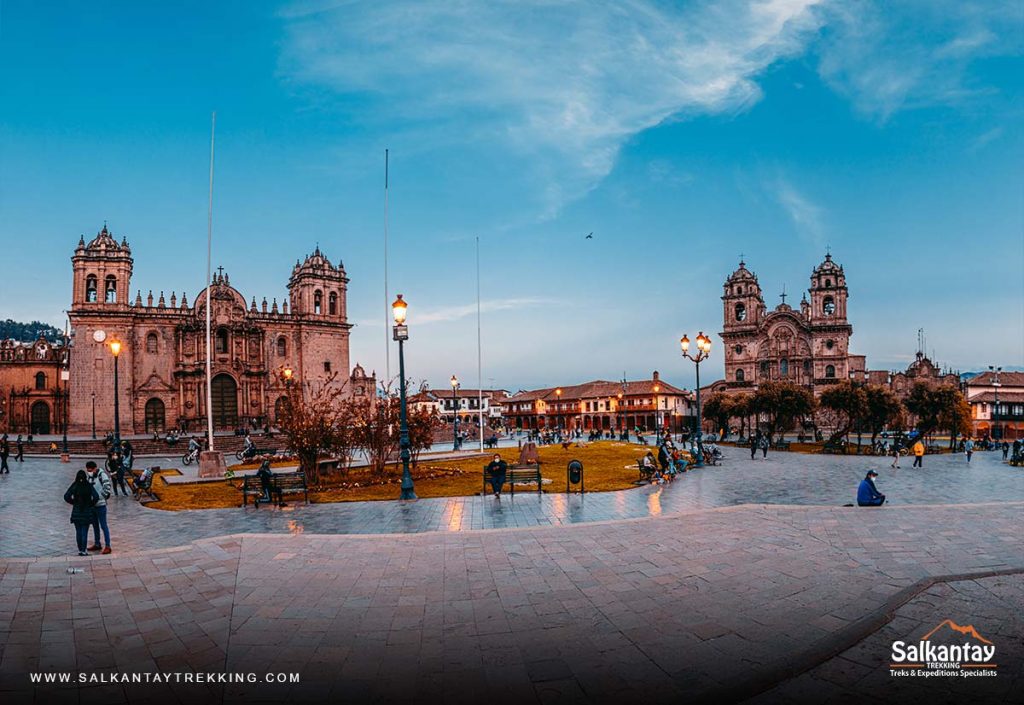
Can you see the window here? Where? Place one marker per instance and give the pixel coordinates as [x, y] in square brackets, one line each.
[318, 301]
[830, 344]
[830, 371]
[282, 347]
[828, 305]
[828, 283]
[151, 343]
[40, 380]
[220, 344]
[783, 367]
[741, 312]
[332, 304]
[90, 288]
[738, 349]
[764, 368]
[110, 290]
[327, 365]
[807, 367]
[739, 375]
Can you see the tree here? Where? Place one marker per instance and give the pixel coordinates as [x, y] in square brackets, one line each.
[782, 404]
[375, 425]
[941, 407]
[884, 410]
[846, 405]
[719, 407]
[924, 404]
[423, 423]
[742, 408]
[317, 425]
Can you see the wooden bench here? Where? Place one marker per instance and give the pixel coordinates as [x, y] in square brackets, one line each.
[280, 485]
[139, 488]
[646, 473]
[838, 448]
[781, 445]
[516, 473]
[329, 464]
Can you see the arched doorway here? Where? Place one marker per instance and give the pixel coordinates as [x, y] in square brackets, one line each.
[154, 416]
[40, 418]
[225, 401]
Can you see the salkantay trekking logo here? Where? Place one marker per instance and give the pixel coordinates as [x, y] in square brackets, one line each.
[973, 656]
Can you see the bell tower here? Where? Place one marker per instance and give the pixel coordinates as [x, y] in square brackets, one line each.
[102, 273]
[317, 289]
[743, 313]
[830, 329]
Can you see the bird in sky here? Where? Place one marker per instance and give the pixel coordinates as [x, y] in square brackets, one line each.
[589, 236]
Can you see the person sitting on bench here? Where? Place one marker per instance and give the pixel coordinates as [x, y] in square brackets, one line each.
[497, 469]
[867, 494]
[265, 476]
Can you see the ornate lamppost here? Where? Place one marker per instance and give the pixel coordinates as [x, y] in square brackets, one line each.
[558, 417]
[115, 350]
[703, 351]
[455, 411]
[400, 332]
[995, 406]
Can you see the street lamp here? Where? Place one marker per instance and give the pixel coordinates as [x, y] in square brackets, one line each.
[115, 350]
[400, 332]
[286, 374]
[558, 396]
[703, 351]
[455, 410]
[94, 416]
[995, 408]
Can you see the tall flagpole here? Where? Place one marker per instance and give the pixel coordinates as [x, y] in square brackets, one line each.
[209, 265]
[479, 357]
[387, 295]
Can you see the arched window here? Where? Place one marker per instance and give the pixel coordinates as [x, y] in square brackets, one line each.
[318, 301]
[110, 289]
[282, 347]
[741, 312]
[40, 380]
[221, 341]
[828, 305]
[739, 375]
[783, 367]
[152, 345]
[90, 288]
[332, 304]
[764, 369]
[828, 283]
[830, 371]
[807, 367]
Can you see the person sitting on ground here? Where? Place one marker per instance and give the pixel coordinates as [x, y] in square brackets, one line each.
[867, 494]
[497, 469]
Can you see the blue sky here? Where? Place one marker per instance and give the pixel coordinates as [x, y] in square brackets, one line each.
[680, 134]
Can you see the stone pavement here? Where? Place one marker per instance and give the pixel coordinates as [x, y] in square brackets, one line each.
[707, 606]
[35, 518]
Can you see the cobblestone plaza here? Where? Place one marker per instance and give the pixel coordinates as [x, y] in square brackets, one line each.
[745, 581]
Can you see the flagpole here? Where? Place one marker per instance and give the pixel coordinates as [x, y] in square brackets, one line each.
[209, 265]
[479, 356]
[387, 296]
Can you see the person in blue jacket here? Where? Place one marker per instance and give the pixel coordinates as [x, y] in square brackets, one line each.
[867, 494]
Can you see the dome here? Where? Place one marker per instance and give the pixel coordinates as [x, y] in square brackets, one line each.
[828, 266]
[741, 274]
[105, 240]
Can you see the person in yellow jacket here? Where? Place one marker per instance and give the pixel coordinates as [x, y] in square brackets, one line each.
[918, 453]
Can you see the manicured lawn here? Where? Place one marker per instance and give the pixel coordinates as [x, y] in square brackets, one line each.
[608, 465]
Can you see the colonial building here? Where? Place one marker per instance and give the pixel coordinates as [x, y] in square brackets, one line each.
[602, 405]
[467, 402]
[161, 366]
[997, 404]
[33, 392]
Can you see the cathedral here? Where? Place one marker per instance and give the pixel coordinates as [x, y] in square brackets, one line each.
[162, 360]
[809, 345]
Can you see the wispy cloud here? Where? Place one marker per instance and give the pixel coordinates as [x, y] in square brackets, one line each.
[805, 214]
[562, 85]
[454, 313]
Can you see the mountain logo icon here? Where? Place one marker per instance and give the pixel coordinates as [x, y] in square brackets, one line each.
[967, 630]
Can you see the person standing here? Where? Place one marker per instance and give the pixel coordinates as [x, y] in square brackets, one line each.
[20, 450]
[497, 469]
[100, 482]
[867, 494]
[1006, 449]
[895, 456]
[764, 446]
[82, 498]
[969, 449]
[5, 451]
[918, 454]
[117, 470]
[755, 441]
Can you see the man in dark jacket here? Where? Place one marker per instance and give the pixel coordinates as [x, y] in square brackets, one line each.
[19, 453]
[497, 470]
[5, 451]
[867, 494]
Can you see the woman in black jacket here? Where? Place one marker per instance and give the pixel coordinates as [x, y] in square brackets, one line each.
[82, 498]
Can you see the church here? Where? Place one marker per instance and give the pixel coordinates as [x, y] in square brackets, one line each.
[162, 359]
[808, 345]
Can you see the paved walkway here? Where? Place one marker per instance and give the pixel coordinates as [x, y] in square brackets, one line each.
[711, 606]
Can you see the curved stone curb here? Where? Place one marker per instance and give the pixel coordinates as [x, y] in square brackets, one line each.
[796, 664]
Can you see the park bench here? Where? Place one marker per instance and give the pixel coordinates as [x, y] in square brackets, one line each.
[328, 464]
[491, 442]
[280, 485]
[140, 488]
[516, 473]
[781, 445]
[646, 473]
[837, 448]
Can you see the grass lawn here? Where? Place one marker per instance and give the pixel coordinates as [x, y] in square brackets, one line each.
[607, 465]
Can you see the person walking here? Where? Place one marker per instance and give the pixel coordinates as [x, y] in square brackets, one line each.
[755, 441]
[128, 452]
[867, 494]
[969, 450]
[895, 456]
[918, 454]
[100, 482]
[117, 470]
[82, 497]
[1006, 449]
[19, 454]
[5, 451]
[764, 446]
[497, 469]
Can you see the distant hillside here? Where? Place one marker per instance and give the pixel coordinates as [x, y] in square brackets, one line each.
[28, 332]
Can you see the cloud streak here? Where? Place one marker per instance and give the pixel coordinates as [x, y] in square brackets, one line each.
[448, 314]
[805, 214]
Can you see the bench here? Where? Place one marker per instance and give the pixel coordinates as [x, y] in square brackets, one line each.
[139, 488]
[646, 473]
[516, 473]
[781, 445]
[491, 442]
[329, 464]
[838, 448]
[280, 485]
